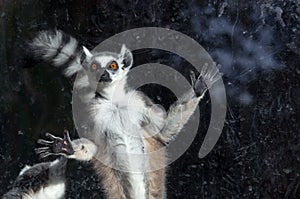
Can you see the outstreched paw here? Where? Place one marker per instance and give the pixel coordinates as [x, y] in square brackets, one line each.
[208, 76]
[55, 145]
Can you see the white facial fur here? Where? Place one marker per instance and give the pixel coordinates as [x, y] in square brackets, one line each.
[124, 61]
[84, 149]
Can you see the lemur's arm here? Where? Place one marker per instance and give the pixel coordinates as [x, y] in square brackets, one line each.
[79, 149]
[180, 112]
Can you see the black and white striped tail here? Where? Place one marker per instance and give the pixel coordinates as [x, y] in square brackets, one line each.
[59, 49]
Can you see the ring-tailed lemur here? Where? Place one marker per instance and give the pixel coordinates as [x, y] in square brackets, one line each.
[47, 180]
[125, 125]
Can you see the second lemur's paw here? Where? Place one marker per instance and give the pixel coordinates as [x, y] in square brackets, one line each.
[55, 145]
[208, 76]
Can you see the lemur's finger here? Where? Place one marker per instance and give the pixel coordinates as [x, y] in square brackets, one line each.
[52, 137]
[216, 76]
[39, 152]
[45, 142]
[67, 136]
[42, 150]
[209, 75]
[200, 87]
[214, 79]
[193, 77]
[204, 70]
[44, 155]
[66, 133]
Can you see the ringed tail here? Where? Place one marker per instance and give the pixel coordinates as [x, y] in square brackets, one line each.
[58, 48]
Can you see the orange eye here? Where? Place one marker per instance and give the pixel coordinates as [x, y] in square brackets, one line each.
[113, 65]
[94, 66]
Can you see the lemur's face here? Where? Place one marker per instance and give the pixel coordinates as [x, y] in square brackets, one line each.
[106, 67]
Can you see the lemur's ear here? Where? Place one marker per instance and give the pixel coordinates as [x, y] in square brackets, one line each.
[126, 57]
[87, 53]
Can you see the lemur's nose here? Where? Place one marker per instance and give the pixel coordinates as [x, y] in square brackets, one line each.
[105, 77]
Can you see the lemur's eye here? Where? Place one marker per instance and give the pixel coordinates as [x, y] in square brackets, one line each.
[113, 65]
[94, 66]
[82, 147]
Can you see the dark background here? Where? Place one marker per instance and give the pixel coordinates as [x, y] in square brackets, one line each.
[256, 45]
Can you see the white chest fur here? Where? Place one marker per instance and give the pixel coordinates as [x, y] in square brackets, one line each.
[120, 120]
[120, 117]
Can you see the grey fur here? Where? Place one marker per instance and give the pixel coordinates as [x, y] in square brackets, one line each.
[37, 177]
[32, 180]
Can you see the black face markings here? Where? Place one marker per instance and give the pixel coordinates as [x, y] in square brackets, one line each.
[105, 77]
[126, 63]
[98, 95]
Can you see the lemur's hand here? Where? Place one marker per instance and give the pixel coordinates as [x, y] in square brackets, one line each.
[205, 80]
[55, 145]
